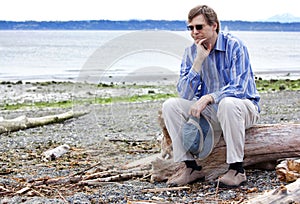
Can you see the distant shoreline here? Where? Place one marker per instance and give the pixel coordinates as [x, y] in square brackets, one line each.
[163, 79]
[293, 75]
[176, 25]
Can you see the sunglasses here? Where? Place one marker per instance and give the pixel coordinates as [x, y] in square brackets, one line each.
[198, 27]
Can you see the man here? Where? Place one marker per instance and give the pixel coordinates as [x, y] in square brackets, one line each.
[216, 84]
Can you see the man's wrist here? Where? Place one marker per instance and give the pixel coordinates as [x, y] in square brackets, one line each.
[196, 69]
[197, 66]
[211, 98]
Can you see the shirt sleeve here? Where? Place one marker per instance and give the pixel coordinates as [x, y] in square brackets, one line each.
[189, 80]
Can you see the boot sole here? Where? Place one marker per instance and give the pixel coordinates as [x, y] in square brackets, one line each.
[202, 179]
[222, 185]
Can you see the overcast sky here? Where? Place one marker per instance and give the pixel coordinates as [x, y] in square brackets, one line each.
[251, 10]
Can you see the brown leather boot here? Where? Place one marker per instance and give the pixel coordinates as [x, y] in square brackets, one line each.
[232, 179]
[185, 176]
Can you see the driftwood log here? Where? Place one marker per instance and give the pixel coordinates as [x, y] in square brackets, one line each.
[23, 122]
[283, 194]
[264, 143]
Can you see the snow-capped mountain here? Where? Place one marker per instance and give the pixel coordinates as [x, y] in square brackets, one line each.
[283, 18]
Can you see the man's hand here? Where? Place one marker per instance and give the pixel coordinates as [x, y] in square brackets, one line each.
[203, 51]
[200, 105]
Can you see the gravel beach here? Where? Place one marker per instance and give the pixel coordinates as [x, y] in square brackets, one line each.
[109, 135]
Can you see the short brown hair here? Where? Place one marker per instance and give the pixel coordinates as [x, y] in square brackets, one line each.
[208, 13]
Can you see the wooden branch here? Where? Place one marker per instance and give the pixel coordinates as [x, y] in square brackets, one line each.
[87, 169]
[4, 191]
[23, 122]
[284, 194]
[23, 190]
[263, 143]
[288, 170]
[119, 177]
[154, 201]
[158, 190]
[94, 179]
[55, 181]
[61, 196]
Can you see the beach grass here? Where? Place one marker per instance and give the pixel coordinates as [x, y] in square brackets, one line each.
[277, 85]
[271, 85]
[96, 100]
[16, 106]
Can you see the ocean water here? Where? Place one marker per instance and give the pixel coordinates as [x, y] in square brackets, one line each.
[107, 55]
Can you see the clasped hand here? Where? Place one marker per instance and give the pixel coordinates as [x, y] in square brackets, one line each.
[200, 105]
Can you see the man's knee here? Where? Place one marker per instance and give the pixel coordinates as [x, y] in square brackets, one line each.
[172, 105]
[227, 107]
[226, 103]
[168, 105]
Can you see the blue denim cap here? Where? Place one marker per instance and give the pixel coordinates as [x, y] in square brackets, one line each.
[198, 136]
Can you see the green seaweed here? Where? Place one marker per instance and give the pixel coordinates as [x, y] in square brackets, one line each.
[98, 100]
[262, 86]
[60, 104]
[277, 85]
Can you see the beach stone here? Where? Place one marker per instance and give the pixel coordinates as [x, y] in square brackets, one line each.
[106, 134]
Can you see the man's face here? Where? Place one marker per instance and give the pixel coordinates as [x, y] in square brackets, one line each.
[200, 29]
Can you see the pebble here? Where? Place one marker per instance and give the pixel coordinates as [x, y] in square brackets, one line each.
[91, 133]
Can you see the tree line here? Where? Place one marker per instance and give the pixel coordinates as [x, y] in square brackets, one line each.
[143, 25]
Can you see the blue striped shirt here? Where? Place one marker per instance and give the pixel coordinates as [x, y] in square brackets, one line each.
[226, 72]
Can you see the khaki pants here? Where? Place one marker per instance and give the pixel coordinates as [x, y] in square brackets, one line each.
[232, 116]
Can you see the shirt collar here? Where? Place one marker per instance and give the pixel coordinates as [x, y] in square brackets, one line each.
[220, 45]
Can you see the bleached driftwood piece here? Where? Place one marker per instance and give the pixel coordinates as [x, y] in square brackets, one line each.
[263, 143]
[283, 194]
[55, 153]
[288, 170]
[23, 122]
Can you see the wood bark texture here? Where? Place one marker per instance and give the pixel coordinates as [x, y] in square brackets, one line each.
[264, 143]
